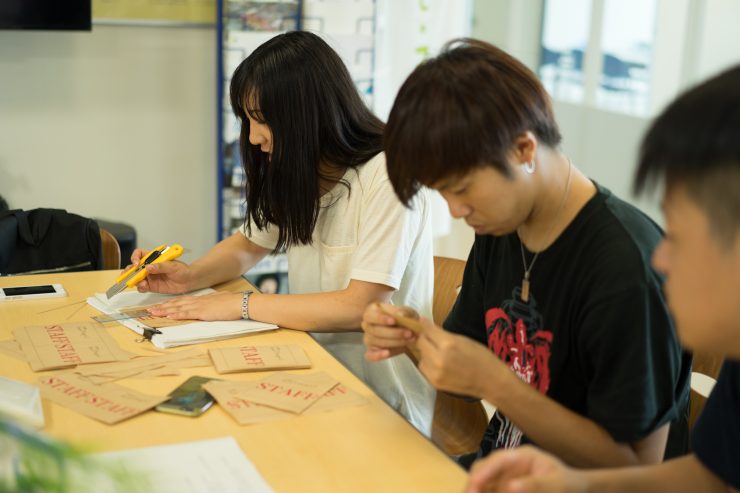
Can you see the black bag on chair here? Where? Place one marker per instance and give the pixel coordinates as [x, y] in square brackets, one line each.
[48, 240]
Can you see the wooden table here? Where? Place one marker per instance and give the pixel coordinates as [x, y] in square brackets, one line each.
[369, 448]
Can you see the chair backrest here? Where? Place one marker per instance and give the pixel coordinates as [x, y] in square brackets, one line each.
[458, 424]
[448, 274]
[705, 370]
[111, 250]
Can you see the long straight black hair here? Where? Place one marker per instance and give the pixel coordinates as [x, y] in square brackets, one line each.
[298, 86]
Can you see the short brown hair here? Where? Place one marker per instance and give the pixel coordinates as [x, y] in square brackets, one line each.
[462, 110]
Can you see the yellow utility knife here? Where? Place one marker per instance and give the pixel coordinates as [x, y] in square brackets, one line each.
[137, 273]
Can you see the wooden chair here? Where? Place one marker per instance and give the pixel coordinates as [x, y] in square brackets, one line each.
[111, 250]
[458, 424]
[704, 372]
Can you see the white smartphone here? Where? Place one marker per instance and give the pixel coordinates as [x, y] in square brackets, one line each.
[32, 292]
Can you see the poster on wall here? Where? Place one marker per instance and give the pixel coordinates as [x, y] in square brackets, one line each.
[154, 12]
[246, 24]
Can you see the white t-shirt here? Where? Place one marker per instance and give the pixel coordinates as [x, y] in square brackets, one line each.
[366, 234]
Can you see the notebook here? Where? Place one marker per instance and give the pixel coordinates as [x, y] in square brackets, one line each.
[179, 335]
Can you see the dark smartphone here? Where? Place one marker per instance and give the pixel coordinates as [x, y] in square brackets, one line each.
[32, 292]
[189, 399]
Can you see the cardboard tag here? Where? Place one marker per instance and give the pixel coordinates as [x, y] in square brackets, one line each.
[108, 403]
[12, 348]
[255, 358]
[337, 398]
[289, 392]
[406, 322]
[229, 396]
[166, 364]
[244, 412]
[66, 345]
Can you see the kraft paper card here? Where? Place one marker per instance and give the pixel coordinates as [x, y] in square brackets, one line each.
[244, 412]
[50, 347]
[145, 366]
[13, 349]
[406, 322]
[289, 392]
[108, 403]
[337, 398]
[256, 358]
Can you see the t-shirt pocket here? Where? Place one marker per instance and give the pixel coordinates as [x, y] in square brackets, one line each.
[336, 266]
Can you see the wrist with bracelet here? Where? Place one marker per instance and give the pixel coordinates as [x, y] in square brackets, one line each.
[245, 304]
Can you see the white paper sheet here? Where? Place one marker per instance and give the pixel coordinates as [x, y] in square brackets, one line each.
[206, 466]
[179, 335]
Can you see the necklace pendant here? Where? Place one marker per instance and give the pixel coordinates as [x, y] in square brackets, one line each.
[525, 289]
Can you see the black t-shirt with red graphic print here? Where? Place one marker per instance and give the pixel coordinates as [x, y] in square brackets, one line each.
[595, 335]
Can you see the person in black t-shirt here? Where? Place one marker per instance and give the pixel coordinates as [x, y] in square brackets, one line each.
[561, 322]
[694, 148]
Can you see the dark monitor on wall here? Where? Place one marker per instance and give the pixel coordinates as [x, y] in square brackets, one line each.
[63, 15]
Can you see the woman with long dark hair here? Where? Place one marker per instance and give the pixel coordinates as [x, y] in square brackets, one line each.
[317, 189]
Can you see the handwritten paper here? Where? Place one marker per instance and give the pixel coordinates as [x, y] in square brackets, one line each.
[51, 347]
[108, 403]
[255, 358]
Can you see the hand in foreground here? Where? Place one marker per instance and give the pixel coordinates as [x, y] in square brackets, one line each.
[214, 306]
[457, 364]
[524, 470]
[383, 338]
[173, 277]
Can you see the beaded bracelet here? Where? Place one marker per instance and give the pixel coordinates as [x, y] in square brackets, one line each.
[245, 304]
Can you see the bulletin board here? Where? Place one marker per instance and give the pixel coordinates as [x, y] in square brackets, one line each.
[155, 12]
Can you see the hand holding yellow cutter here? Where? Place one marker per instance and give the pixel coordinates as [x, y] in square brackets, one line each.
[131, 277]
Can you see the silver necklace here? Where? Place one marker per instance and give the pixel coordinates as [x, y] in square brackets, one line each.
[528, 268]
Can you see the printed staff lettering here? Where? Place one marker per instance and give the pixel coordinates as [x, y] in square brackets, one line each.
[62, 344]
[87, 397]
[237, 403]
[251, 356]
[288, 391]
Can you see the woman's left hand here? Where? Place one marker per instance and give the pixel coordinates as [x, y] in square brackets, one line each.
[214, 306]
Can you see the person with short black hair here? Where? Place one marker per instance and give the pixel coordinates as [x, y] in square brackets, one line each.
[316, 188]
[560, 317]
[694, 149]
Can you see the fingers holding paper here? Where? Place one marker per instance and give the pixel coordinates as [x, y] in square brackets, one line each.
[455, 363]
[523, 470]
[215, 306]
[383, 335]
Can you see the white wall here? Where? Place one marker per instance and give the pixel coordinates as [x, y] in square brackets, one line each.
[695, 39]
[118, 124]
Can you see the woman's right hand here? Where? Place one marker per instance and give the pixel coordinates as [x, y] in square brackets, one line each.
[383, 338]
[172, 277]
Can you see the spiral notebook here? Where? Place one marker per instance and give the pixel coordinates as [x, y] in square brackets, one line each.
[179, 335]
